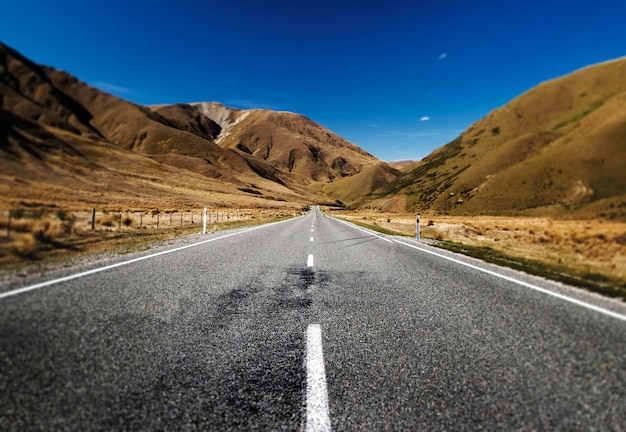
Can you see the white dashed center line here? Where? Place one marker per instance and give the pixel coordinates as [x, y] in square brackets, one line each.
[311, 238]
[317, 418]
[309, 260]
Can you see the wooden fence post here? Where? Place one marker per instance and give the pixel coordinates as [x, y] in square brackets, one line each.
[9, 226]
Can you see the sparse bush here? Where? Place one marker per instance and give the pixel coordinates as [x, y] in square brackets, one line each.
[25, 247]
[127, 221]
[47, 231]
[67, 221]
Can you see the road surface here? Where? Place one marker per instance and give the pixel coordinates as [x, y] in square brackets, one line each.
[307, 324]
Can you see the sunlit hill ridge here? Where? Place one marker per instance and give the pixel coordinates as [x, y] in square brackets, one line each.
[558, 149]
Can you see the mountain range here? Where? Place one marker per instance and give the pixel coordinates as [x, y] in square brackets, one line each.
[558, 149]
[62, 140]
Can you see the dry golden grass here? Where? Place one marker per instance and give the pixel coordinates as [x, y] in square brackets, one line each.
[42, 236]
[584, 247]
[555, 151]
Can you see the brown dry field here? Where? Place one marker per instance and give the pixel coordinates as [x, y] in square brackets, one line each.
[43, 237]
[581, 246]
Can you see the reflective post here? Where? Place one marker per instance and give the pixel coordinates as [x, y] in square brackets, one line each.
[417, 228]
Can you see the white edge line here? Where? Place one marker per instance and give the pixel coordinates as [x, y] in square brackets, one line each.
[123, 263]
[380, 236]
[317, 417]
[519, 282]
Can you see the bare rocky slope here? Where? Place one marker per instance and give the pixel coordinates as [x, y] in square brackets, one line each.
[558, 149]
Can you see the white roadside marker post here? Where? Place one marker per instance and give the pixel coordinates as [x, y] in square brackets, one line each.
[204, 222]
[417, 228]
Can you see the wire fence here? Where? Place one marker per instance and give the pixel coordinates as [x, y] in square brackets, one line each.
[20, 221]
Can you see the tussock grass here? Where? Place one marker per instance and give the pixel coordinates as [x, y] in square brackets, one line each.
[592, 281]
[585, 253]
[47, 237]
[25, 247]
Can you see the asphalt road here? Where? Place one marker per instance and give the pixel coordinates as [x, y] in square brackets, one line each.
[308, 323]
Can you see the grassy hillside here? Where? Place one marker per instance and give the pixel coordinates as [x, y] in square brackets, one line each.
[63, 141]
[558, 149]
[351, 190]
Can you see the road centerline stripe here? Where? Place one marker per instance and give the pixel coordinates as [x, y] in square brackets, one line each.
[317, 418]
[309, 260]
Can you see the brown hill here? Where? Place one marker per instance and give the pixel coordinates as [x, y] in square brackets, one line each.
[403, 165]
[558, 149]
[290, 142]
[61, 139]
[353, 190]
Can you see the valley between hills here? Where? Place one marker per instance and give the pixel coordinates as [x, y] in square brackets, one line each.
[540, 179]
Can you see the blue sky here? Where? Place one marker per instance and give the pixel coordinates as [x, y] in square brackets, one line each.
[398, 78]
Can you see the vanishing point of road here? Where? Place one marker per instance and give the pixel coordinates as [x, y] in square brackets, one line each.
[307, 324]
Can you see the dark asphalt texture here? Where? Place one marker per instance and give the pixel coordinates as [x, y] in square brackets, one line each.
[213, 338]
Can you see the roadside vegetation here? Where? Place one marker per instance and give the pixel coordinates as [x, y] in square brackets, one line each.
[586, 253]
[43, 236]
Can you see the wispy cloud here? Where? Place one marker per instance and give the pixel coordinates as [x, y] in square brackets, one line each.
[425, 118]
[112, 88]
[442, 56]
